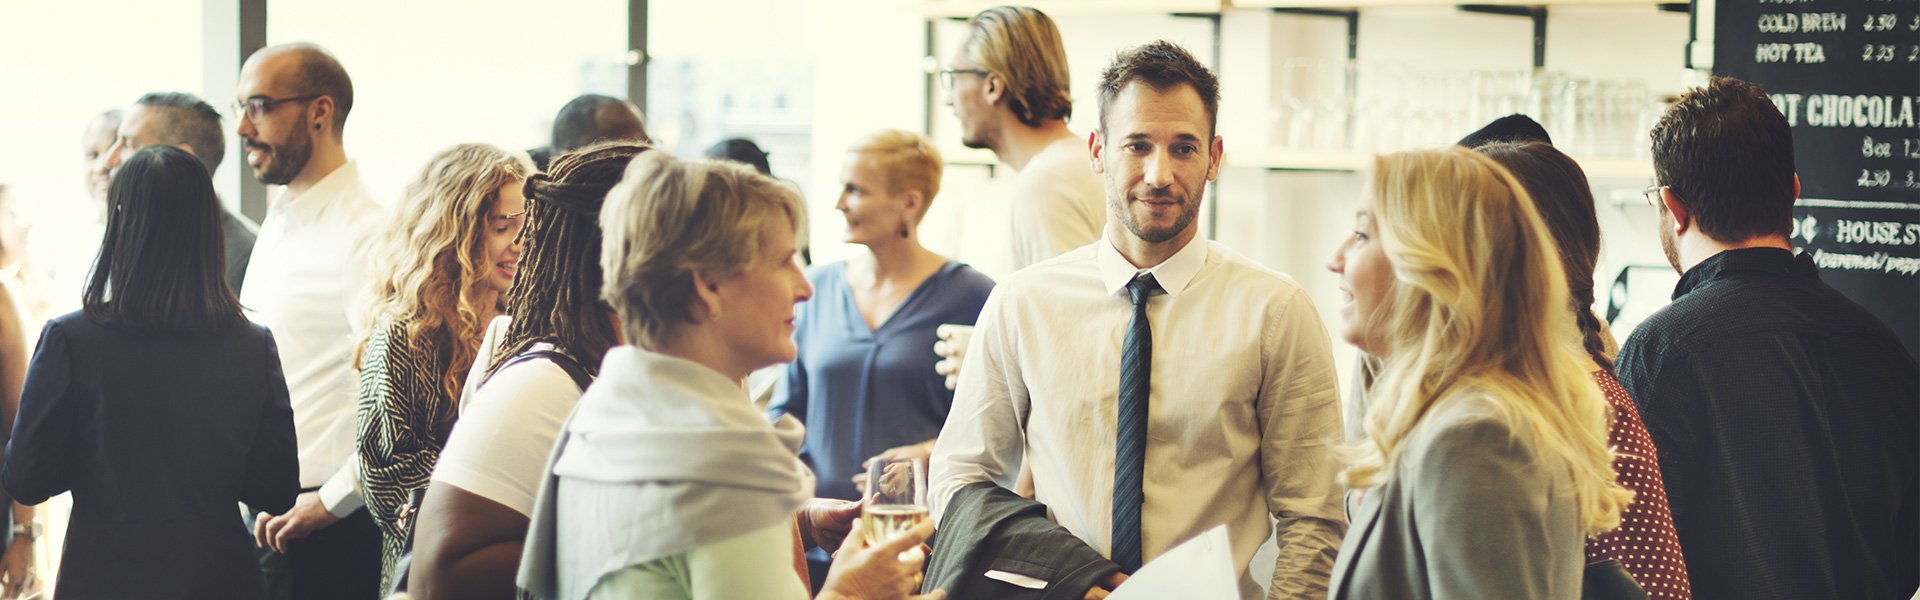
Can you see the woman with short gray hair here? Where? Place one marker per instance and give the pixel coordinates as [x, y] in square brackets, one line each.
[666, 482]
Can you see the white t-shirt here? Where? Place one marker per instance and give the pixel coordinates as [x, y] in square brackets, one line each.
[506, 431]
[1058, 203]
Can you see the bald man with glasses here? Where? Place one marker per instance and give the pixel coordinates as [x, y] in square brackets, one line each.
[292, 105]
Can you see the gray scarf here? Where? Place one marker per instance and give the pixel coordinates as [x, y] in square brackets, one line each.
[703, 464]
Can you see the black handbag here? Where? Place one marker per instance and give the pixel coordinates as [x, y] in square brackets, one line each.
[1607, 580]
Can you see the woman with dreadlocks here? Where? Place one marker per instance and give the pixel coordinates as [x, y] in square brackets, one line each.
[532, 368]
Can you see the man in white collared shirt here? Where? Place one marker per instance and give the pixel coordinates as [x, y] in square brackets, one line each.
[1238, 374]
[304, 284]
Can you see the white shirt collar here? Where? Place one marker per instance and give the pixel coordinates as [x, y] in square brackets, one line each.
[1174, 273]
[341, 181]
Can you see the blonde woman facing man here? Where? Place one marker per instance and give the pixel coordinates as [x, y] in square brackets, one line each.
[666, 482]
[1485, 464]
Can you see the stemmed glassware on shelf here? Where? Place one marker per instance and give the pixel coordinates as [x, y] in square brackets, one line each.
[1346, 106]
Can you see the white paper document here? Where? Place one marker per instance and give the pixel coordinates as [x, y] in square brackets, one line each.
[1200, 569]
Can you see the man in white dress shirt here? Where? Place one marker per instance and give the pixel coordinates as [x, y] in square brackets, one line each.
[304, 284]
[1230, 357]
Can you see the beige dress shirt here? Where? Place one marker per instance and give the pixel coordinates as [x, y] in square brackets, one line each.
[1244, 408]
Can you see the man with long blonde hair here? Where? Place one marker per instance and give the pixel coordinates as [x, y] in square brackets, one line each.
[1008, 86]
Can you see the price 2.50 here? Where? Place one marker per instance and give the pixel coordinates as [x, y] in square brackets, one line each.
[1883, 178]
[1881, 22]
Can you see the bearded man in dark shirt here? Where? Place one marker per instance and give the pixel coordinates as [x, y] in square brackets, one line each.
[1784, 414]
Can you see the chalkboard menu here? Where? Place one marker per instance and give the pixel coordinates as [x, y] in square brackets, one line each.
[1846, 73]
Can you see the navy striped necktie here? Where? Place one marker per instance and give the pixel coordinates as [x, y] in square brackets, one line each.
[1130, 440]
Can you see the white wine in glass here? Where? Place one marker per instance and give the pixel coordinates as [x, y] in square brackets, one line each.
[896, 498]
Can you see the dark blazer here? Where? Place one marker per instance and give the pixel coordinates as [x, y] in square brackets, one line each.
[239, 234]
[987, 528]
[159, 437]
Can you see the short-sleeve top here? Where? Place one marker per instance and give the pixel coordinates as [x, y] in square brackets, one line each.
[507, 427]
[862, 390]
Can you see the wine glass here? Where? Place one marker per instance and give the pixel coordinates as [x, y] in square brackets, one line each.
[896, 498]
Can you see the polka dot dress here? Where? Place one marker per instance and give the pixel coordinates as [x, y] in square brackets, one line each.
[1645, 542]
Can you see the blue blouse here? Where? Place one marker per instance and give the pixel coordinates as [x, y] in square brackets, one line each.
[862, 390]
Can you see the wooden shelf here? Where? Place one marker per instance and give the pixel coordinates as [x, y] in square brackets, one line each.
[1358, 4]
[1294, 159]
[968, 8]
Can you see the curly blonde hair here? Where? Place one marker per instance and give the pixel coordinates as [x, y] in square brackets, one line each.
[1479, 305]
[426, 265]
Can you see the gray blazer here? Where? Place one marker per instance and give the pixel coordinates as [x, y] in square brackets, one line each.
[1468, 512]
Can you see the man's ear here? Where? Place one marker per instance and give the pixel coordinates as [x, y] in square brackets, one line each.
[1096, 147]
[322, 112]
[995, 89]
[1796, 186]
[1682, 218]
[1213, 159]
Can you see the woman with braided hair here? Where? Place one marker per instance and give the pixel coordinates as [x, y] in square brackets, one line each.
[1645, 544]
[532, 367]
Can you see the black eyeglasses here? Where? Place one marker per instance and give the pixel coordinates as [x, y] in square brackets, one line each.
[1652, 194]
[946, 75]
[252, 108]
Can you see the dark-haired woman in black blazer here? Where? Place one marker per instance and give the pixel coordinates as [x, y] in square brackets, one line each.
[158, 405]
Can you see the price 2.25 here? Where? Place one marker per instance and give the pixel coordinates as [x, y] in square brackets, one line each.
[1887, 53]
